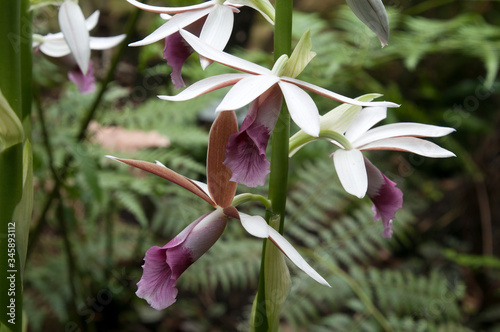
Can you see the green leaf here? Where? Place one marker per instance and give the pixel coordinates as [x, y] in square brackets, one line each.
[22, 213]
[11, 129]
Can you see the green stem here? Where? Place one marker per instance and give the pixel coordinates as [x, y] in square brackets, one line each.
[244, 198]
[15, 69]
[279, 154]
[302, 139]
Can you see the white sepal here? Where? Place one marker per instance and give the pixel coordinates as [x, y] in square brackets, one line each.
[246, 90]
[177, 22]
[302, 108]
[364, 120]
[294, 255]
[224, 58]
[171, 10]
[351, 170]
[410, 144]
[74, 29]
[402, 129]
[206, 85]
[255, 225]
[103, 43]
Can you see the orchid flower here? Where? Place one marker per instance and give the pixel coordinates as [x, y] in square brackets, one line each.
[373, 14]
[164, 265]
[212, 20]
[348, 127]
[73, 44]
[266, 88]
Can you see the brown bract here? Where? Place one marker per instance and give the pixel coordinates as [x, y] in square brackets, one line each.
[169, 175]
[220, 187]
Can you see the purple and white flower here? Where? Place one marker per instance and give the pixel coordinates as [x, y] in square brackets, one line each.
[211, 20]
[348, 127]
[164, 265]
[265, 89]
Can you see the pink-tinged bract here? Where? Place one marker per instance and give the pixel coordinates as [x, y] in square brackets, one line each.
[85, 83]
[163, 265]
[386, 198]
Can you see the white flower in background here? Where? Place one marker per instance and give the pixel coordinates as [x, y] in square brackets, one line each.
[73, 44]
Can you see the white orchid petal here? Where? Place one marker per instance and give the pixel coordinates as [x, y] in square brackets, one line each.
[91, 21]
[294, 255]
[72, 23]
[402, 130]
[166, 17]
[55, 48]
[332, 95]
[351, 170]
[255, 225]
[364, 120]
[410, 144]
[171, 10]
[218, 27]
[246, 91]
[177, 22]
[224, 58]
[205, 86]
[103, 43]
[217, 30]
[302, 108]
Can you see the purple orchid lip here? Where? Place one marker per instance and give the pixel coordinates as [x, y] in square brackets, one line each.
[246, 155]
[386, 197]
[246, 149]
[164, 265]
[176, 53]
[85, 83]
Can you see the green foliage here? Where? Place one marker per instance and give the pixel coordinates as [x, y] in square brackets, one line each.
[344, 236]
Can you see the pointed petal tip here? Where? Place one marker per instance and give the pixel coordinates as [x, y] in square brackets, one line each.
[111, 157]
[160, 163]
[137, 43]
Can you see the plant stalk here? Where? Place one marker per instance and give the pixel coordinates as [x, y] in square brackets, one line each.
[279, 157]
